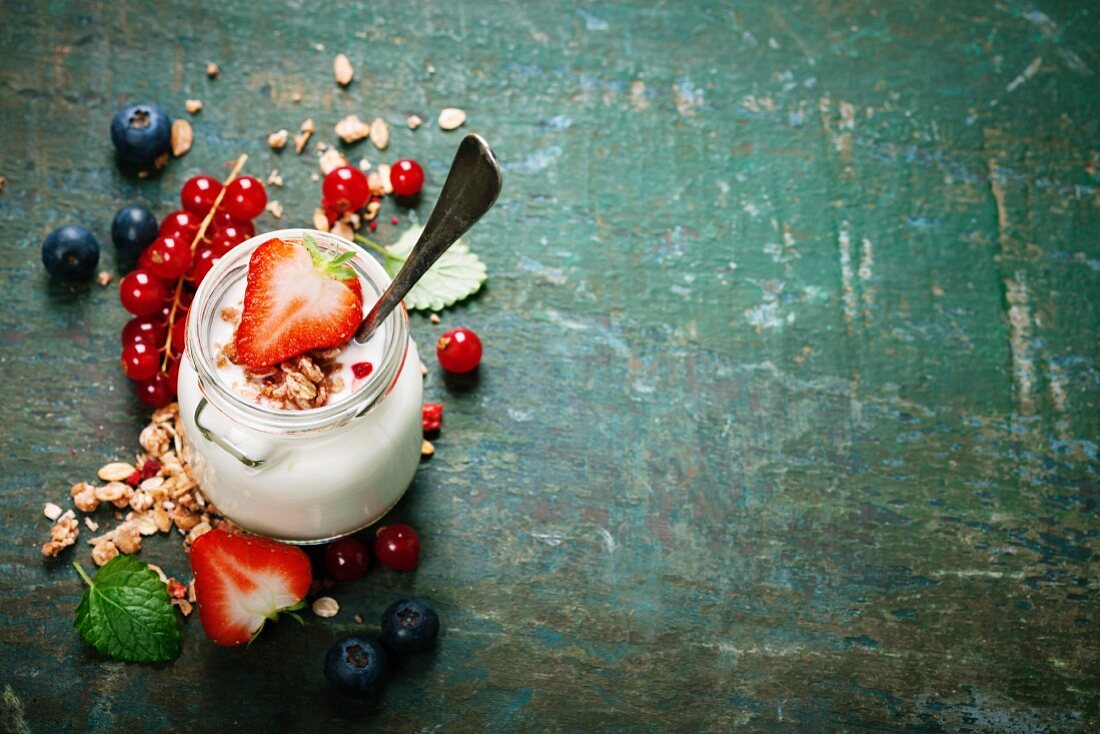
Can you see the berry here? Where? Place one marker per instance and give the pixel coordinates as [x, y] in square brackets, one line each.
[156, 392]
[142, 293]
[356, 665]
[174, 375]
[362, 369]
[148, 329]
[345, 189]
[245, 198]
[179, 333]
[227, 237]
[181, 225]
[198, 194]
[205, 258]
[409, 625]
[346, 559]
[70, 253]
[222, 219]
[397, 546]
[133, 229]
[296, 300]
[407, 177]
[140, 133]
[140, 361]
[150, 468]
[459, 350]
[431, 417]
[242, 581]
[168, 258]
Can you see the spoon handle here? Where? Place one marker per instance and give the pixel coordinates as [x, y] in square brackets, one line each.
[471, 188]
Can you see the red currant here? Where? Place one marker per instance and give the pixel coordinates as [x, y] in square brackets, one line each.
[148, 329]
[205, 258]
[179, 333]
[198, 194]
[142, 293]
[245, 198]
[168, 258]
[183, 225]
[228, 237]
[346, 559]
[345, 189]
[174, 375]
[140, 361]
[223, 219]
[156, 392]
[397, 546]
[459, 350]
[407, 177]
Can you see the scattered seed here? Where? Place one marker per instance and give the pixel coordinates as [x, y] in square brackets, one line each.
[2, 182]
[380, 133]
[275, 208]
[92, 524]
[414, 121]
[325, 606]
[372, 226]
[182, 137]
[104, 278]
[193, 106]
[314, 176]
[372, 210]
[277, 140]
[212, 69]
[358, 619]
[351, 129]
[423, 370]
[51, 511]
[426, 448]
[302, 138]
[451, 118]
[341, 69]
[434, 318]
[274, 178]
[116, 471]
[429, 68]
[394, 220]
[162, 160]
[296, 97]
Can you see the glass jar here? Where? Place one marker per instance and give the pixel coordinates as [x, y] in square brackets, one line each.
[301, 476]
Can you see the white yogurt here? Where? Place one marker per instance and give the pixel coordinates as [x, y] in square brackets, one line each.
[303, 476]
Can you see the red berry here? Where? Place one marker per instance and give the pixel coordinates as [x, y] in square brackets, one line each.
[245, 198]
[150, 468]
[142, 293]
[134, 479]
[148, 329]
[407, 177]
[346, 189]
[179, 333]
[174, 375]
[182, 225]
[361, 369]
[156, 392]
[167, 258]
[198, 194]
[459, 350]
[431, 417]
[397, 546]
[140, 361]
[205, 258]
[223, 219]
[229, 236]
[346, 559]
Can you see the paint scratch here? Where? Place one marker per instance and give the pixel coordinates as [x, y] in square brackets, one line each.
[638, 95]
[848, 295]
[608, 540]
[11, 712]
[1020, 327]
[1025, 75]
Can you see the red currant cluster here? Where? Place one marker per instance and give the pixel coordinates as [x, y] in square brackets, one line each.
[214, 219]
[346, 189]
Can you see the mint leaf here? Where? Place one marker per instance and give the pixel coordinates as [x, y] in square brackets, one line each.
[126, 613]
[457, 273]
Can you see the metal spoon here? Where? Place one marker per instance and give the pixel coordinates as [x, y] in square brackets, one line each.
[471, 188]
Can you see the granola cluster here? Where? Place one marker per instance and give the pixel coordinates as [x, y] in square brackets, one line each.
[299, 383]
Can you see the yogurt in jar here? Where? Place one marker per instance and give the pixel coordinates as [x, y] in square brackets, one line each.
[302, 476]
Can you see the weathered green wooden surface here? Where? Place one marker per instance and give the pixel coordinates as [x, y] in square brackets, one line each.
[790, 411]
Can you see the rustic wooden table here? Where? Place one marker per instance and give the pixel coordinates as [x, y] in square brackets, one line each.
[790, 408]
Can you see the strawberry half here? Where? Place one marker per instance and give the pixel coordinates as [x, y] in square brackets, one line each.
[296, 299]
[241, 581]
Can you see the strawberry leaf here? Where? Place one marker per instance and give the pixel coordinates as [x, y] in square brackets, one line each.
[125, 613]
[457, 273]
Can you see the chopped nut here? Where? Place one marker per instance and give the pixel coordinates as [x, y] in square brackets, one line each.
[92, 524]
[104, 551]
[296, 97]
[331, 160]
[162, 519]
[115, 471]
[320, 220]
[200, 529]
[184, 519]
[128, 538]
[274, 178]
[185, 606]
[275, 208]
[277, 140]
[414, 121]
[341, 69]
[51, 511]
[85, 500]
[182, 137]
[141, 501]
[451, 118]
[372, 210]
[145, 524]
[434, 318]
[426, 447]
[307, 129]
[325, 606]
[111, 491]
[380, 133]
[63, 534]
[193, 106]
[155, 438]
[104, 278]
[212, 69]
[384, 172]
[351, 129]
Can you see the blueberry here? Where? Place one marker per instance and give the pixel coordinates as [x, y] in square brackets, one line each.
[141, 132]
[134, 228]
[357, 666]
[410, 625]
[70, 253]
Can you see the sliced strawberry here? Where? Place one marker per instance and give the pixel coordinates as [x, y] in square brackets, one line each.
[296, 299]
[241, 581]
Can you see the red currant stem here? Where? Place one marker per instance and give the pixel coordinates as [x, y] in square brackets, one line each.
[199, 235]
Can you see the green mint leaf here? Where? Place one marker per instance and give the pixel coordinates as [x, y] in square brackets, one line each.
[125, 613]
[457, 273]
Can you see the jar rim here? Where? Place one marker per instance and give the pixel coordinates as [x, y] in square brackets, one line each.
[227, 272]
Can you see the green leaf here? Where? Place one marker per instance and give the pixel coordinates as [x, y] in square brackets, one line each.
[457, 273]
[126, 613]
